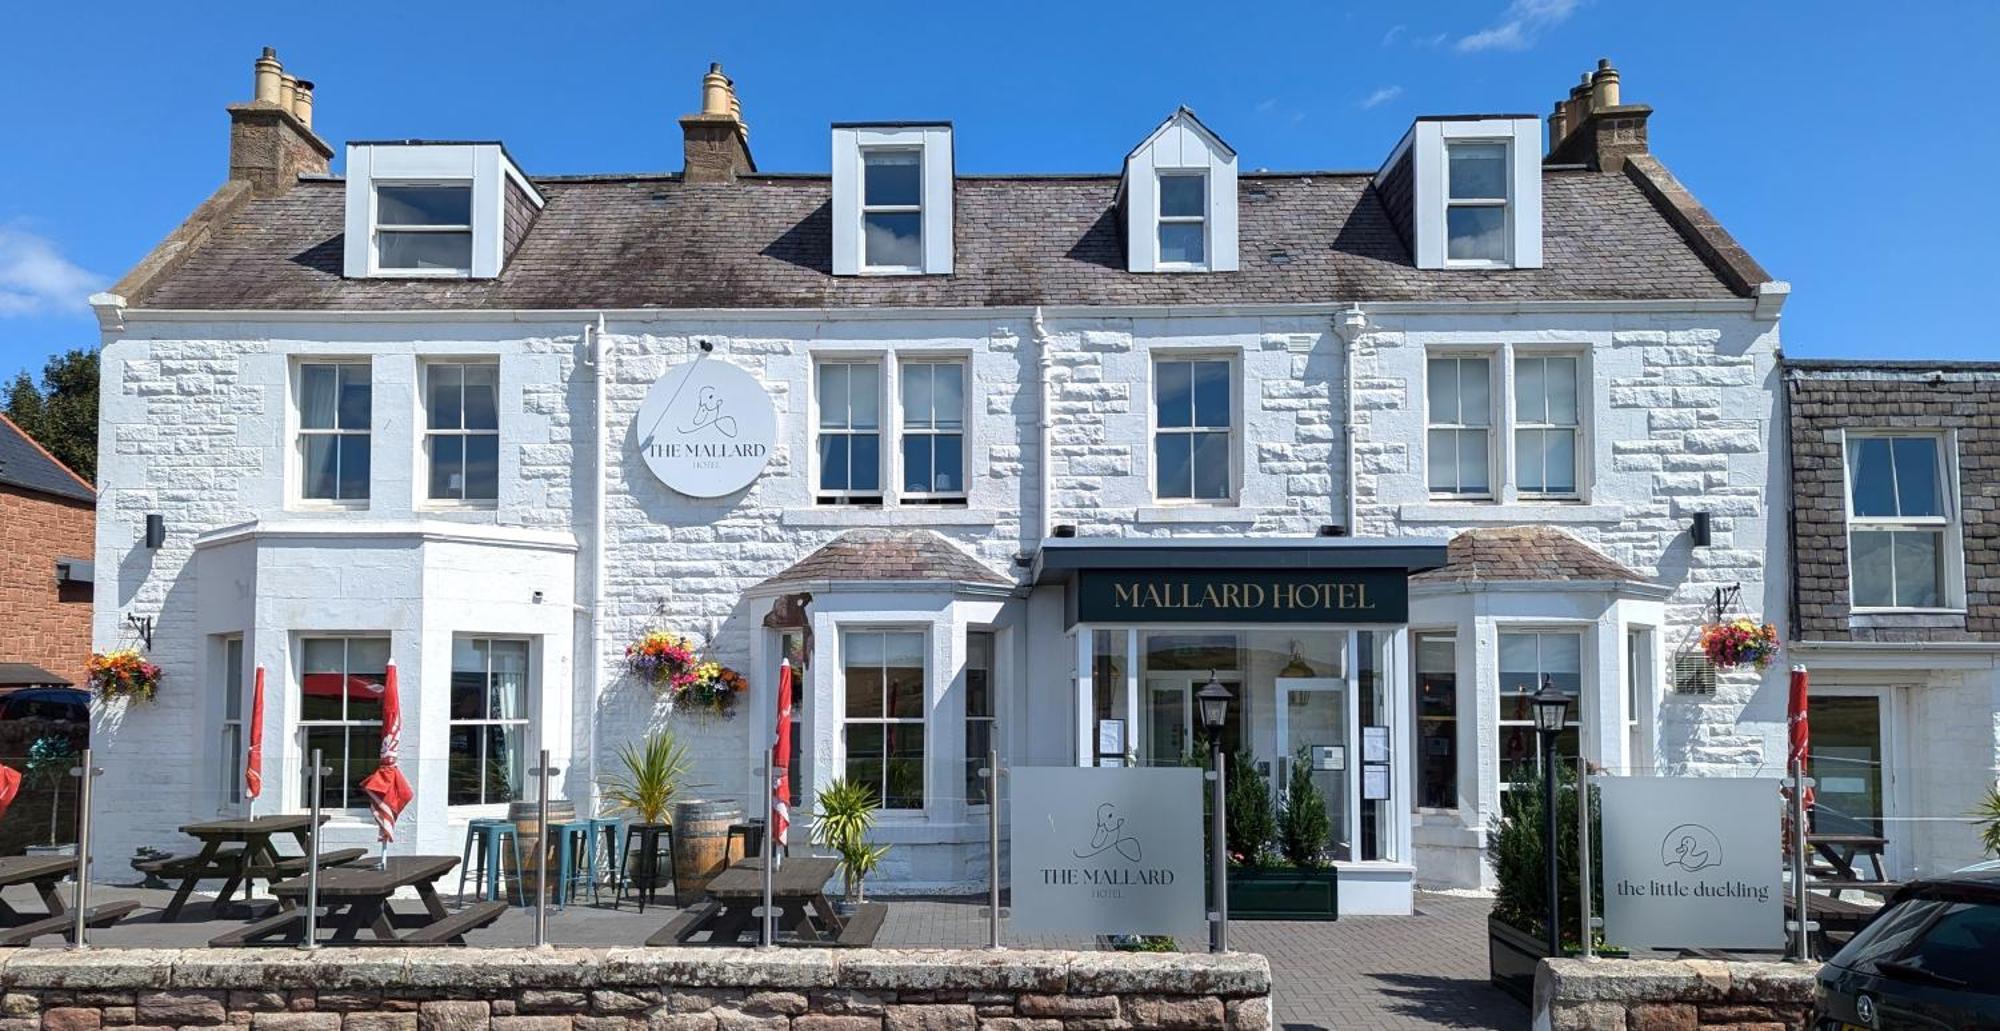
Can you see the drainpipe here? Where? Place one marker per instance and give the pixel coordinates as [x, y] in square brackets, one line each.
[1349, 324]
[1044, 421]
[596, 354]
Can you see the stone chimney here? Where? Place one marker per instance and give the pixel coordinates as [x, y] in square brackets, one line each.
[716, 142]
[1593, 126]
[271, 139]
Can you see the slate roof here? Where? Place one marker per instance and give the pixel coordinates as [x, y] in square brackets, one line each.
[887, 554]
[765, 242]
[24, 464]
[1536, 553]
[27, 674]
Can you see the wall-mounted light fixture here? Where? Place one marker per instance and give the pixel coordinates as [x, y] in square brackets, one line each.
[1700, 532]
[1066, 530]
[1332, 530]
[156, 530]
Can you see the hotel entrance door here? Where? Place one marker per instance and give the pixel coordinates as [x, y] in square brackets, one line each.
[1313, 717]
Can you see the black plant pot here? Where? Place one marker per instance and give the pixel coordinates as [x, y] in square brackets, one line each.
[1511, 957]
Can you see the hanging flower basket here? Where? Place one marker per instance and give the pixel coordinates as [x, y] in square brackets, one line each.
[669, 662]
[715, 688]
[123, 674]
[1740, 642]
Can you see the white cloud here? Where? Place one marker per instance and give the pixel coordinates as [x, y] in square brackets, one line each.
[35, 277]
[1381, 96]
[1390, 36]
[1519, 25]
[1267, 105]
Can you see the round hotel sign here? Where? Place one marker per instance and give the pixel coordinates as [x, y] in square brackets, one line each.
[707, 428]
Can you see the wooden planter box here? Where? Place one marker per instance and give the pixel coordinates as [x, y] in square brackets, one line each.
[1511, 957]
[1284, 894]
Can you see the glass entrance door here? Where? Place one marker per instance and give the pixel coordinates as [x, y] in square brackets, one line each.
[1169, 721]
[1846, 760]
[1312, 726]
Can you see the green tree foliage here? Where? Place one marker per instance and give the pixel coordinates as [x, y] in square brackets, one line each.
[1516, 851]
[1303, 824]
[1251, 821]
[61, 412]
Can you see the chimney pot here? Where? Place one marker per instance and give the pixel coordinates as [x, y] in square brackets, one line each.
[715, 92]
[715, 142]
[302, 102]
[1604, 85]
[271, 142]
[268, 75]
[288, 90]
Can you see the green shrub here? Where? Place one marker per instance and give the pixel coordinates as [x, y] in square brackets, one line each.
[1252, 824]
[1514, 847]
[1304, 828]
[1986, 816]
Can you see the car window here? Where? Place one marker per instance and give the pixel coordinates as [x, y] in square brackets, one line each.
[1962, 944]
[1888, 934]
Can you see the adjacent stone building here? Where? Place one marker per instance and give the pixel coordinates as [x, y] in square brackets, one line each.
[47, 530]
[1016, 462]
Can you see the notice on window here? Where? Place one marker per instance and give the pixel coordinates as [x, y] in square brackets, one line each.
[1692, 862]
[1374, 744]
[1375, 781]
[1107, 851]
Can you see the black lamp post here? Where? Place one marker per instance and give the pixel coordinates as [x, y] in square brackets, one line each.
[1551, 712]
[1214, 700]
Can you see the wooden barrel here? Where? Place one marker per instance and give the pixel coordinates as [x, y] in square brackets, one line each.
[701, 844]
[527, 820]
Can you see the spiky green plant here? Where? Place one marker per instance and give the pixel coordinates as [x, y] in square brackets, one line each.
[651, 777]
[844, 815]
[1986, 816]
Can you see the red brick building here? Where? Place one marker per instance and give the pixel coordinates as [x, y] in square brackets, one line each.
[48, 518]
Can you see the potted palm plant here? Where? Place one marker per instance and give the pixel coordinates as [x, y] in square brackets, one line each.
[1986, 816]
[650, 779]
[844, 816]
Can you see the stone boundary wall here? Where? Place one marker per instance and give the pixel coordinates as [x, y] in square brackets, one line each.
[1683, 995]
[443, 989]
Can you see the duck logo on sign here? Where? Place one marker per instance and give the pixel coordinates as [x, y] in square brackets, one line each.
[707, 428]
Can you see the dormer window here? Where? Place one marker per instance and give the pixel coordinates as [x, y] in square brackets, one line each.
[892, 200]
[1475, 217]
[1184, 219]
[434, 210]
[423, 227]
[892, 209]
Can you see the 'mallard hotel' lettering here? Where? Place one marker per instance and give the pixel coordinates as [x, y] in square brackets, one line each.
[1328, 595]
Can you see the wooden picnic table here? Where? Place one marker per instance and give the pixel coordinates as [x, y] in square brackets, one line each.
[1843, 853]
[240, 852]
[44, 872]
[357, 898]
[736, 899]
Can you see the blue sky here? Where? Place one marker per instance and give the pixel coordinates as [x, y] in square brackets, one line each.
[1848, 148]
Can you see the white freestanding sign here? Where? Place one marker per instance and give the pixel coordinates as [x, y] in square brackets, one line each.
[1692, 862]
[1107, 851]
[707, 428]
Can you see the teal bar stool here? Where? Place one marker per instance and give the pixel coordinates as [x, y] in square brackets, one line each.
[574, 843]
[482, 840]
[605, 832]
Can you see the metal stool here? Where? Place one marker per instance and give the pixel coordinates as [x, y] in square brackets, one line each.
[655, 842]
[607, 830]
[572, 844]
[485, 836]
[752, 833]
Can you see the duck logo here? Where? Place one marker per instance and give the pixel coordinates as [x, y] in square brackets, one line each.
[1691, 847]
[1110, 836]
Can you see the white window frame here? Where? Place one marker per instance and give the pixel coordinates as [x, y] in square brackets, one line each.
[903, 430]
[527, 720]
[1505, 202]
[1516, 424]
[1494, 384]
[991, 719]
[377, 227]
[1162, 220]
[923, 633]
[430, 435]
[1231, 361]
[1642, 691]
[867, 209]
[357, 802]
[1949, 527]
[234, 740]
[885, 412]
[1418, 637]
[1575, 718]
[300, 432]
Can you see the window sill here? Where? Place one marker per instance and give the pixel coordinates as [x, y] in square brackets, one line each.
[911, 515]
[458, 507]
[1519, 512]
[1906, 619]
[1198, 513]
[308, 505]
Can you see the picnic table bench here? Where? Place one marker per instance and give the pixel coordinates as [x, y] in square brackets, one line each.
[357, 898]
[239, 852]
[44, 873]
[1839, 855]
[735, 905]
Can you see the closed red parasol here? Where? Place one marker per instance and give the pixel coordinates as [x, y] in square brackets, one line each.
[253, 766]
[10, 787]
[1799, 738]
[781, 757]
[388, 791]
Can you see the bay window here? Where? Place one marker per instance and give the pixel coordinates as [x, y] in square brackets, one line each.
[1899, 522]
[884, 706]
[1529, 662]
[340, 713]
[489, 720]
[1193, 427]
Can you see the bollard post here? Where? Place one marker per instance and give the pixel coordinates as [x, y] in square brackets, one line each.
[1801, 942]
[312, 851]
[83, 773]
[1218, 871]
[1583, 851]
[542, 772]
[767, 926]
[992, 775]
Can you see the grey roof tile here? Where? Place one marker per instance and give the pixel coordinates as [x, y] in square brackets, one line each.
[887, 554]
[1530, 553]
[24, 464]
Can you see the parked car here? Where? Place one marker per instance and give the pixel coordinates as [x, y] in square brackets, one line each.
[48, 703]
[1929, 960]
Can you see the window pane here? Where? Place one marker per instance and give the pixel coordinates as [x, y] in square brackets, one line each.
[864, 691]
[1478, 171]
[1174, 455]
[1869, 557]
[1475, 405]
[482, 397]
[903, 786]
[317, 391]
[354, 397]
[447, 467]
[332, 742]
[1870, 476]
[893, 239]
[1531, 399]
[833, 461]
[446, 396]
[863, 650]
[864, 396]
[1211, 394]
[1917, 491]
[1919, 569]
[423, 205]
[1441, 389]
[353, 449]
[917, 463]
[866, 459]
[1561, 653]
[1173, 394]
[1559, 461]
[892, 177]
[948, 396]
[1476, 234]
[1211, 465]
[505, 763]
[1443, 461]
[320, 477]
[468, 679]
[904, 649]
[414, 251]
[948, 458]
[906, 691]
[463, 787]
[832, 396]
[1962, 944]
[978, 742]
[232, 679]
[1183, 195]
[917, 379]
[1182, 243]
[1474, 474]
[1437, 723]
[320, 679]
[1560, 380]
[978, 676]
[482, 467]
[1530, 463]
[507, 696]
